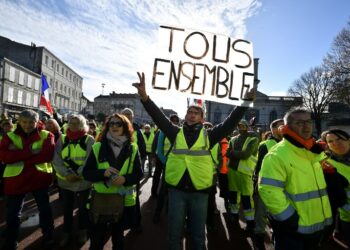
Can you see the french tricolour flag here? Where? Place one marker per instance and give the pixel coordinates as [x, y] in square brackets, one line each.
[44, 99]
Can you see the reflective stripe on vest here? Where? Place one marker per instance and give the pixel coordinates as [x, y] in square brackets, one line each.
[247, 166]
[129, 192]
[16, 168]
[197, 161]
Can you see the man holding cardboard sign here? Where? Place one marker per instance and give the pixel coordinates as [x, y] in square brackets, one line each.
[189, 168]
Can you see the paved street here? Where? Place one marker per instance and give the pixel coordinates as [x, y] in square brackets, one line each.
[152, 237]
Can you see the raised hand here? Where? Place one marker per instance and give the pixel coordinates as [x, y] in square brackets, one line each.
[141, 86]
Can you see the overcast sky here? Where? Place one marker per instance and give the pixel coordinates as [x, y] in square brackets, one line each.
[109, 41]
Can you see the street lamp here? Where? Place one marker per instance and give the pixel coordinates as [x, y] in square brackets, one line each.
[103, 87]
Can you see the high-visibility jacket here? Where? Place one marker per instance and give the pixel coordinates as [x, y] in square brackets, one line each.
[129, 192]
[16, 168]
[291, 179]
[75, 152]
[148, 141]
[344, 170]
[247, 166]
[197, 160]
[224, 147]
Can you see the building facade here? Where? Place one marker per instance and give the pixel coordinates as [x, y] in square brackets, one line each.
[87, 107]
[266, 109]
[115, 103]
[65, 84]
[20, 88]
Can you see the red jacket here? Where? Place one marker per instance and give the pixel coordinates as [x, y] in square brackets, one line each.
[30, 179]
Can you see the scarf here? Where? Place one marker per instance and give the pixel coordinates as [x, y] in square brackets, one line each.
[287, 132]
[75, 135]
[116, 143]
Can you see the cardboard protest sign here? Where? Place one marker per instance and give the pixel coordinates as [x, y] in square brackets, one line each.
[203, 65]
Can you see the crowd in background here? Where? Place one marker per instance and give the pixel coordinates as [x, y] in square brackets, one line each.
[284, 178]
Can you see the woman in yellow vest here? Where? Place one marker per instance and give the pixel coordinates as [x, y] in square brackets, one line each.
[114, 167]
[338, 142]
[27, 151]
[70, 155]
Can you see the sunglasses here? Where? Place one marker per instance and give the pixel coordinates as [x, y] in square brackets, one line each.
[117, 124]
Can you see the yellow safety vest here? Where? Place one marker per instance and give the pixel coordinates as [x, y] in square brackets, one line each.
[74, 152]
[344, 170]
[247, 166]
[215, 154]
[166, 145]
[16, 168]
[148, 141]
[129, 192]
[197, 160]
[291, 179]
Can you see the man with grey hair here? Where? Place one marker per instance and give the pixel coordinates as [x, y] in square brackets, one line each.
[27, 152]
[292, 185]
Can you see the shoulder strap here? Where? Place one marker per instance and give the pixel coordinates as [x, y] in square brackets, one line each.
[65, 142]
[82, 142]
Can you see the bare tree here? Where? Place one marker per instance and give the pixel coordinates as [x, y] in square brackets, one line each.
[316, 88]
[338, 61]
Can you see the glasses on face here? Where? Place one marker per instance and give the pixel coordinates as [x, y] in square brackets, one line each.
[301, 123]
[117, 124]
[193, 112]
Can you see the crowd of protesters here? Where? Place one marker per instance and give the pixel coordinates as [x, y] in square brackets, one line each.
[284, 179]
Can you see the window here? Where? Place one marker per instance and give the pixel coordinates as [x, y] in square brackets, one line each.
[46, 60]
[57, 67]
[29, 83]
[273, 115]
[66, 73]
[35, 100]
[57, 101]
[62, 71]
[12, 74]
[61, 87]
[50, 83]
[65, 89]
[21, 78]
[37, 82]
[69, 91]
[56, 85]
[10, 95]
[19, 97]
[70, 76]
[28, 99]
[52, 63]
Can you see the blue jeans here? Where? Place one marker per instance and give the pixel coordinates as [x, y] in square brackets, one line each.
[191, 204]
[13, 214]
